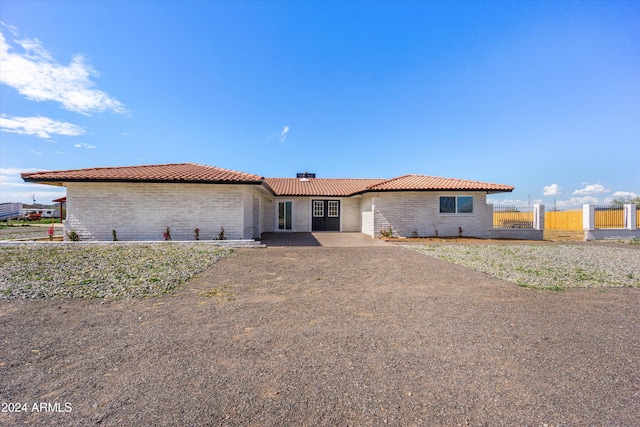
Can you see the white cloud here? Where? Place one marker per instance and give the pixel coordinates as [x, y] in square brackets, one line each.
[6, 172]
[576, 202]
[35, 74]
[513, 202]
[41, 195]
[83, 145]
[624, 194]
[10, 178]
[14, 30]
[283, 134]
[42, 127]
[14, 189]
[551, 190]
[620, 195]
[591, 189]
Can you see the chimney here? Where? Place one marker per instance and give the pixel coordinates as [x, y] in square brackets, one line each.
[305, 176]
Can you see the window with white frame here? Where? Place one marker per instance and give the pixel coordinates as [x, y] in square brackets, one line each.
[456, 204]
[333, 209]
[318, 208]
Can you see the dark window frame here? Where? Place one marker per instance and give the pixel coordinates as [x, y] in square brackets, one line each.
[456, 205]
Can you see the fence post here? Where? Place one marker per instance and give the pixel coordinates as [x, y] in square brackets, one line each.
[630, 213]
[538, 217]
[490, 224]
[588, 217]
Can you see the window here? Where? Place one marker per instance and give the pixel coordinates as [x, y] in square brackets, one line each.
[318, 208]
[333, 209]
[456, 205]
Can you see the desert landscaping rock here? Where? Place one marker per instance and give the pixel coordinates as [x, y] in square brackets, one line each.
[100, 271]
[327, 336]
[547, 266]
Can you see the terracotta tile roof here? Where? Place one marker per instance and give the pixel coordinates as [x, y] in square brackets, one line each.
[195, 173]
[319, 186]
[433, 183]
[180, 172]
[351, 186]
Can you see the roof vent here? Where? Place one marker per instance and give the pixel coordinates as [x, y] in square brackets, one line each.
[304, 175]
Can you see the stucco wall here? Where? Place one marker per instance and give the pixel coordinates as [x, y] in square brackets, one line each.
[407, 212]
[142, 211]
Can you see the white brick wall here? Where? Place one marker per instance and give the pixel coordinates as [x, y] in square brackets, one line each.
[407, 212]
[257, 212]
[366, 214]
[142, 211]
[268, 214]
[247, 201]
[350, 212]
[300, 208]
[301, 214]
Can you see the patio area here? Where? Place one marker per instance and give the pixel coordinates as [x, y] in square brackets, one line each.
[326, 239]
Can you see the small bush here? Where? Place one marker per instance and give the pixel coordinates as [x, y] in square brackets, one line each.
[167, 234]
[386, 233]
[221, 235]
[115, 236]
[73, 236]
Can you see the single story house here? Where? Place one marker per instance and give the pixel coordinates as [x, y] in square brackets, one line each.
[140, 202]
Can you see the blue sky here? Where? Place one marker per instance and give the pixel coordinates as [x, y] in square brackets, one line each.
[541, 95]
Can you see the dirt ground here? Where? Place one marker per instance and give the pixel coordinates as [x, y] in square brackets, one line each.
[327, 336]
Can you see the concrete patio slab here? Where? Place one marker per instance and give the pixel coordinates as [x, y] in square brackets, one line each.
[326, 239]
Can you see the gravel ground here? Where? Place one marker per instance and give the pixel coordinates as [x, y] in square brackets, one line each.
[327, 336]
[100, 271]
[547, 266]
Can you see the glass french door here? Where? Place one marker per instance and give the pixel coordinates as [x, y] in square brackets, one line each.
[285, 212]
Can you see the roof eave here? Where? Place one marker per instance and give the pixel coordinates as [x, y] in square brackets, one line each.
[62, 181]
[432, 190]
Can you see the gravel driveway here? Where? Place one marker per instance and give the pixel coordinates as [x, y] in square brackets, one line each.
[327, 336]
